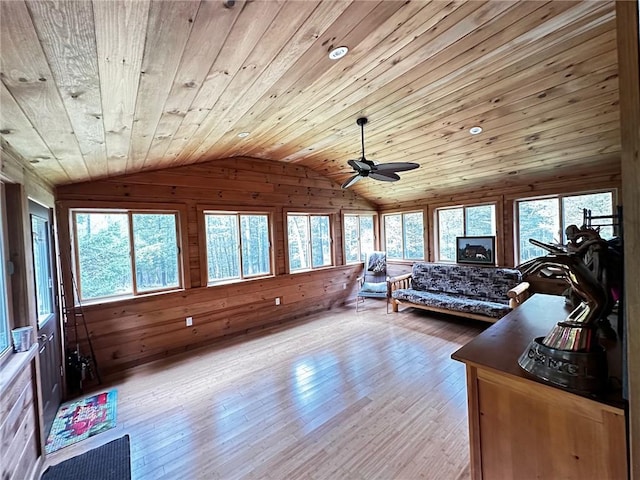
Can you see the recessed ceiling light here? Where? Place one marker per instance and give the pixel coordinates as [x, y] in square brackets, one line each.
[475, 130]
[338, 53]
[243, 134]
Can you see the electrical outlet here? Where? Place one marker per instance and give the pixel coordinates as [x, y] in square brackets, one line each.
[277, 300]
[189, 321]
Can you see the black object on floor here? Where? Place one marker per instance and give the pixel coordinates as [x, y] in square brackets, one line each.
[111, 461]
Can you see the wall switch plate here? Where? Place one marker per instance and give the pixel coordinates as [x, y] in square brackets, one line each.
[277, 300]
[344, 286]
[189, 321]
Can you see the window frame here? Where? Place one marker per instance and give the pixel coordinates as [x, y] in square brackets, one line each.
[463, 206]
[558, 197]
[178, 210]
[309, 213]
[376, 229]
[383, 236]
[40, 212]
[203, 210]
[4, 271]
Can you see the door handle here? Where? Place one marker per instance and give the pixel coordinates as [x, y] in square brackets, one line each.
[43, 337]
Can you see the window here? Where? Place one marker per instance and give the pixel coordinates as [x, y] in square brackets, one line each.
[309, 239]
[359, 237]
[4, 297]
[41, 247]
[464, 221]
[545, 219]
[238, 245]
[404, 236]
[125, 252]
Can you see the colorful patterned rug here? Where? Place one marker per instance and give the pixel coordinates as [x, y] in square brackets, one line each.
[82, 419]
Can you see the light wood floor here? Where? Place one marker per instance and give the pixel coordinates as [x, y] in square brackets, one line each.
[339, 395]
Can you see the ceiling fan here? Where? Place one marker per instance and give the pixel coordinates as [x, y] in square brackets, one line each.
[385, 172]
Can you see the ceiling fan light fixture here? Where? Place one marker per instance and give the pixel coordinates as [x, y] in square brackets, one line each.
[338, 52]
[475, 130]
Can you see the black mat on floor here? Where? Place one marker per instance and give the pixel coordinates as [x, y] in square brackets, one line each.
[111, 461]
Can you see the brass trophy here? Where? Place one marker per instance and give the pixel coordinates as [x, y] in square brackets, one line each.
[571, 355]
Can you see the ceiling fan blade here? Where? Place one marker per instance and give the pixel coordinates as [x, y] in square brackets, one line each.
[396, 167]
[359, 165]
[351, 181]
[384, 176]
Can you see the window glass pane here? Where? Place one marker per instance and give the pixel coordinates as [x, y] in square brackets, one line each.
[480, 221]
[413, 236]
[255, 245]
[393, 236]
[598, 203]
[320, 241]
[450, 226]
[4, 315]
[103, 254]
[223, 254]
[351, 238]
[155, 246]
[540, 220]
[298, 234]
[42, 267]
[367, 239]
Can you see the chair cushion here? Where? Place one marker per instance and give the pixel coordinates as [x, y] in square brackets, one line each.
[374, 287]
[377, 262]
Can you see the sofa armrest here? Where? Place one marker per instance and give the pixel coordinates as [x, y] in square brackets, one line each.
[401, 281]
[518, 294]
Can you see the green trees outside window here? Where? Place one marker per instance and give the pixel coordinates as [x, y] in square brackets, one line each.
[404, 236]
[359, 237]
[463, 221]
[42, 267]
[155, 248]
[238, 245]
[309, 239]
[546, 219]
[450, 225]
[108, 266]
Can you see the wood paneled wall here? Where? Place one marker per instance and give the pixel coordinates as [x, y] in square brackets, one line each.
[21, 435]
[628, 29]
[504, 196]
[137, 330]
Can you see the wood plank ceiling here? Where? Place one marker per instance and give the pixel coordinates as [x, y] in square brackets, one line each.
[103, 88]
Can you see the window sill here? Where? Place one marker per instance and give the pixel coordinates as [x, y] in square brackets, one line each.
[122, 298]
[13, 365]
[400, 261]
[316, 269]
[237, 280]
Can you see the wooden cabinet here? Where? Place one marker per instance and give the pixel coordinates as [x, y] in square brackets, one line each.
[20, 443]
[521, 428]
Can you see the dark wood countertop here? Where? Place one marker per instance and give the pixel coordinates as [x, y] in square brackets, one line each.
[500, 346]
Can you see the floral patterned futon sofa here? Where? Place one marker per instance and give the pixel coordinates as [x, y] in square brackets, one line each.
[483, 293]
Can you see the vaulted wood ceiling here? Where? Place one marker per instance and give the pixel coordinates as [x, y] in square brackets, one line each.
[96, 89]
